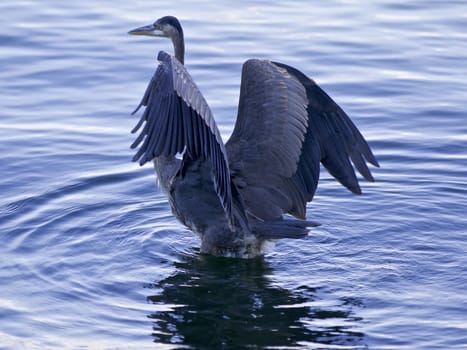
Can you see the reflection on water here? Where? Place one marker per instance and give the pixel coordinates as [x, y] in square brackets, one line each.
[216, 303]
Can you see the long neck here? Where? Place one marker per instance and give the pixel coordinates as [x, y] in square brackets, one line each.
[179, 46]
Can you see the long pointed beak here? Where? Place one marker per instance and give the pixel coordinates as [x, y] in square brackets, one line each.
[149, 30]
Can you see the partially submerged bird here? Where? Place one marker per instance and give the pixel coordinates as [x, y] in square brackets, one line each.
[235, 195]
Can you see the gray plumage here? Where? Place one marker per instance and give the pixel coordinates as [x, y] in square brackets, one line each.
[235, 195]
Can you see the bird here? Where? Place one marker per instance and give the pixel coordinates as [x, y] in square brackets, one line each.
[253, 189]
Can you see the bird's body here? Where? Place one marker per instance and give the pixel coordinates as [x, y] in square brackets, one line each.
[195, 203]
[234, 195]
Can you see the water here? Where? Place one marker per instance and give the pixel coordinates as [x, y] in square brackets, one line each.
[90, 256]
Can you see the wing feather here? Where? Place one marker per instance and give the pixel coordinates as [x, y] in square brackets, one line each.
[177, 117]
[286, 125]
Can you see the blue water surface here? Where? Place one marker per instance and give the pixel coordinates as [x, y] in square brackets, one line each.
[91, 256]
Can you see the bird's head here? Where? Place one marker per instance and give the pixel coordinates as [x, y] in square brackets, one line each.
[166, 27]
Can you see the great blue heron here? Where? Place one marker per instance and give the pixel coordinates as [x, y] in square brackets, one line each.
[235, 195]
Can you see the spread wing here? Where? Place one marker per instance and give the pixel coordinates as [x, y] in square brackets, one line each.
[286, 126]
[177, 119]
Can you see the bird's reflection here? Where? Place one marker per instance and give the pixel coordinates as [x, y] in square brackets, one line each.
[217, 303]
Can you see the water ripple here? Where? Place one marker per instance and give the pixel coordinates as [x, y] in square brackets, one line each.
[91, 256]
